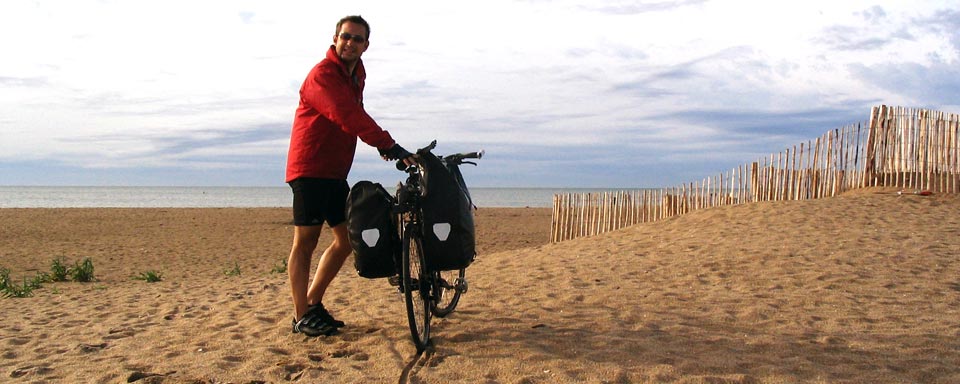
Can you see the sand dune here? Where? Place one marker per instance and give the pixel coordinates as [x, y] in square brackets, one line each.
[860, 288]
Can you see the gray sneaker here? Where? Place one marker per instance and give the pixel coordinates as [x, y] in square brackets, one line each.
[321, 313]
[313, 326]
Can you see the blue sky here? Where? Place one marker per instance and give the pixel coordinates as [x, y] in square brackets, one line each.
[559, 93]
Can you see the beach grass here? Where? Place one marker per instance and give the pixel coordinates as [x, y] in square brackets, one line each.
[58, 270]
[281, 268]
[150, 276]
[235, 271]
[82, 272]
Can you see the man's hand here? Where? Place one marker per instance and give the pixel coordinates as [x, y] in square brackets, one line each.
[396, 152]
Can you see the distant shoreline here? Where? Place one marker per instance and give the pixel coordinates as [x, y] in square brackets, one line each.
[226, 197]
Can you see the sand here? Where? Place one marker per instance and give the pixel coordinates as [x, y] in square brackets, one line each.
[862, 288]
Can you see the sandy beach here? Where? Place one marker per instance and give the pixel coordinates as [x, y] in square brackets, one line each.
[861, 288]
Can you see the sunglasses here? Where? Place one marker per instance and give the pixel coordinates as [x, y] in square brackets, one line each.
[356, 38]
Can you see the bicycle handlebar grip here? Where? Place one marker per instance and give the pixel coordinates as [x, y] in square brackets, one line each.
[472, 155]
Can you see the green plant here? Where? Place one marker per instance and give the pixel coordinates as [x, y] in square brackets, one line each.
[9, 289]
[149, 276]
[83, 271]
[58, 270]
[235, 271]
[4, 279]
[24, 290]
[39, 279]
[280, 268]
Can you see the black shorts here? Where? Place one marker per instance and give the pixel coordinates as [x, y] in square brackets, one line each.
[316, 201]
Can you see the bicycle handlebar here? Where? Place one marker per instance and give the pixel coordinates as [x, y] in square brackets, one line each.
[459, 157]
[456, 158]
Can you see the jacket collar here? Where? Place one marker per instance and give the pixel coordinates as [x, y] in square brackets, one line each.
[358, 71]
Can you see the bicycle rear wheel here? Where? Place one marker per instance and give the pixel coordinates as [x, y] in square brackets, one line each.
[449, 286]
[416, 290]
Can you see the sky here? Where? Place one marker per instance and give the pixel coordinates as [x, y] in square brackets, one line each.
[560, 94]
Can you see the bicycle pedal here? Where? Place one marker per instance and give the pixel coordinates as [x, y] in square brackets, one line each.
[462, 285]
[396, 281]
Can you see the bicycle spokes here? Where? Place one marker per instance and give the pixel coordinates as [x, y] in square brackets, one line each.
[416, 286]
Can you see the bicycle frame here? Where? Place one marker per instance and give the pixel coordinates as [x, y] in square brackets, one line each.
[428, 285]
[415, 283]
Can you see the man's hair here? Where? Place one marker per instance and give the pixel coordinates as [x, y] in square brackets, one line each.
[353, 19]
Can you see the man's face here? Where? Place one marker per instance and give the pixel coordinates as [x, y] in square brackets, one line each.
[348, 48]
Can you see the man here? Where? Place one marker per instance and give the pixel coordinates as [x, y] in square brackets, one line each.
[323, 141]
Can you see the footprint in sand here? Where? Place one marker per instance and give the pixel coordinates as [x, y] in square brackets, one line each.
[75, 323]
[292, 371]
[30, 370]
[232, 359]
[350, 353]
[119, 333]
[140, 375]
[435, 360]
[88, 348]
[227, 324]
[172, 314]
[953, 286]
[278, 351]
[361, 356]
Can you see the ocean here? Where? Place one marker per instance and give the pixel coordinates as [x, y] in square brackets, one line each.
[211, 197]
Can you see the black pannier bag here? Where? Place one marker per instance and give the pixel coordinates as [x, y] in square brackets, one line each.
[448, 231]
[372, 230]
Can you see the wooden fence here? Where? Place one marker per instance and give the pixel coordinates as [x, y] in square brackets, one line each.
[911, 149]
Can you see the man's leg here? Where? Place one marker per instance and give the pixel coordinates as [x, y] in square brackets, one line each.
[330, 263]
[305, 240]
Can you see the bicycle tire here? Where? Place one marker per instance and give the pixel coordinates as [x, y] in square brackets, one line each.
[416, 292]
[449, 285]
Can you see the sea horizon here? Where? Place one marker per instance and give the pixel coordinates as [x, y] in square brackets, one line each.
[228, 197]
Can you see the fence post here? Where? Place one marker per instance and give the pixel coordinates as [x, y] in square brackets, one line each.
[870, 157]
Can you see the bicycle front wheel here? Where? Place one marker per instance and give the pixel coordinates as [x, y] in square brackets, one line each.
[416, 290]
[449, 286]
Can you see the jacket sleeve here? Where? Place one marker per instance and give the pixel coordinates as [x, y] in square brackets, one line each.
[331, 96]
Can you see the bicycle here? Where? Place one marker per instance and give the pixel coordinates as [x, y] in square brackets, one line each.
[427, 291]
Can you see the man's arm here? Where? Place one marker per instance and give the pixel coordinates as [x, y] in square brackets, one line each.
[331, 95]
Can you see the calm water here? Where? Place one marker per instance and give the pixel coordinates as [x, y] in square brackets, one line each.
[152, 197]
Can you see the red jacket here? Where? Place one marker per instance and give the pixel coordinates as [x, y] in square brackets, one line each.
[329, 120]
